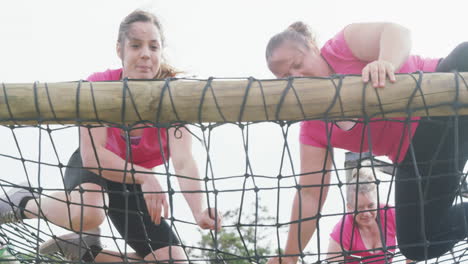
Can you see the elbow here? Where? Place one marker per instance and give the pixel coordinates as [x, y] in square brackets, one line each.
[399, 31]
[180, 165]
[397, 27]
[183, 164]
[405, 36]
[313, 193]
[397, 41]
[404, 32]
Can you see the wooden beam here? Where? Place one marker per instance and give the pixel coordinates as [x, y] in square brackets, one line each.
[220, 100]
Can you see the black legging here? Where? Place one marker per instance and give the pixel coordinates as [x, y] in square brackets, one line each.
[428, 224]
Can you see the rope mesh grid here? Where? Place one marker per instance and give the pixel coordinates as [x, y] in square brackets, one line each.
[244, 167]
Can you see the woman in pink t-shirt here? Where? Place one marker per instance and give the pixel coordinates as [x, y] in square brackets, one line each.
[110, 176]
[424, 193]
[367, 233]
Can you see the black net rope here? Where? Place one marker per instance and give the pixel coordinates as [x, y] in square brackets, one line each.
[255, 205]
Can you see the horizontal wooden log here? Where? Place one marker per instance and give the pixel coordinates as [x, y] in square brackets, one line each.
[222, 100]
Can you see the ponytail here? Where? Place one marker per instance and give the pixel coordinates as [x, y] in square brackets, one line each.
[297, 32]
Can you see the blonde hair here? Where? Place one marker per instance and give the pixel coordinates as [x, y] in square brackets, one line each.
[297, 32]
[363, 180]
[165, 70]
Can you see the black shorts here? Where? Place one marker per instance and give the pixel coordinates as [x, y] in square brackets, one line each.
[127, 209]
[428, 222]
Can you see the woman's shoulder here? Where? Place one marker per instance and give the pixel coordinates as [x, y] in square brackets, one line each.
[108, 75]
[344, 224]
[338, 54]
[336, 45]
[343, 229]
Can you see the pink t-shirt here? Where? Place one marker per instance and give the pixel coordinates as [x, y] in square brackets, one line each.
[351, 239]
[388, 138]
[151, 150]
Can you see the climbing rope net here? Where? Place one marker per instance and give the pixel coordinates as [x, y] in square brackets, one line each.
[248, 159]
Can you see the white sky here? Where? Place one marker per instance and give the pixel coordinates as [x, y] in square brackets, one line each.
[57, 40]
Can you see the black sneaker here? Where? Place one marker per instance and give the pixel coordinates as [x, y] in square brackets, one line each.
[10, 210]
[73, 246]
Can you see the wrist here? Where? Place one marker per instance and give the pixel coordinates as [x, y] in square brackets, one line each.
[197, 212]
[139, 178]
[195, 202]
[291, 252]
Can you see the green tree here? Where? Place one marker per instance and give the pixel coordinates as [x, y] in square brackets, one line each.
[242, 240]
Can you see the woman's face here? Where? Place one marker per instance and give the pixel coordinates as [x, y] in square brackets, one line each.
[291, 59]
[365, 202]
[141, 51]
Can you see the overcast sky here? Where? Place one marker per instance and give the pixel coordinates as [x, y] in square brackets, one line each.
[56, 40]
[59, 40]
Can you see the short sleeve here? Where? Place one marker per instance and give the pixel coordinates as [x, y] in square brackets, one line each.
[97, 77]
[341, 233]
[313, 133]
[337, 48]
[109, 75]
[339, 56]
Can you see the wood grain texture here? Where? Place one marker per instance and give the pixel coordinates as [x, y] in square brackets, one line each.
[222, 100]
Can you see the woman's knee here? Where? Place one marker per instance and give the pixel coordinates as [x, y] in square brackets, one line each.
[425, 251]
[461, 55]
[417, 253]
[174, 253]
[410, 241]
[456, 60]
[87, 206]
[462, 46]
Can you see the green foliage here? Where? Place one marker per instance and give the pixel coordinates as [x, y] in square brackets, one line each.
[6, 256]
[239, 242]
[9, 255]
